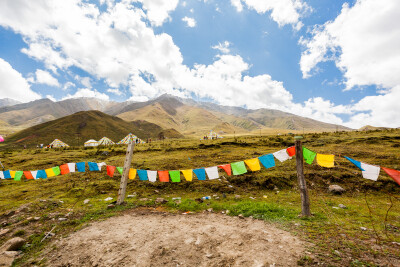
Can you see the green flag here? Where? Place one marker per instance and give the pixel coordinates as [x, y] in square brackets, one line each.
[56, 170]
[308, 155]
[175, 176]
[18, 175]
[120, 170]
[238, 168]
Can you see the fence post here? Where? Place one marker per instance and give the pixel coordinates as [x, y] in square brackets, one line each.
[125, 173]
[305, 201]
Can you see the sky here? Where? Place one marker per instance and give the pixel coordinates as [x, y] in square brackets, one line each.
[334, 61]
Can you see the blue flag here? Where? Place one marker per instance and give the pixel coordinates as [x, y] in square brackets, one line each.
[81, 166]
[200, 173]
[355, 162]
[41, 174]
[267, 161]
[142, 175]
[7, 174]
[93, 166]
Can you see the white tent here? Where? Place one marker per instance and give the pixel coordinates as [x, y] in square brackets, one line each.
[91, 142]
[58, 143]
[105, 142]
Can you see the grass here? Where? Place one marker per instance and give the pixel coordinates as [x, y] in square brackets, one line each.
[270, 195]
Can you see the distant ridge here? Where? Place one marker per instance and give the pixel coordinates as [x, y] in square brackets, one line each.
[77, 128]
[5, 102]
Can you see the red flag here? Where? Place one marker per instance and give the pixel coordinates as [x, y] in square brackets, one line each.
[28, 175]
[395, 174]
[110, 170]
[163, 176]
[291, 151]
[226, 168]
[64, 169]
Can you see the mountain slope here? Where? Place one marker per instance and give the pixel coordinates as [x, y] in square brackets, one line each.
[5, 102]
[77, 128]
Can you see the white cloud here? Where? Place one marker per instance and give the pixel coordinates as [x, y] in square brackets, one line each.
[158, 10]
[13, 85]
[44, 77]
[224, 47]
[363, 41]
[51, 98]
[68, 85]
[114, 91]
[85, 81]
[190, 22]
[86, 92]
[282, 11]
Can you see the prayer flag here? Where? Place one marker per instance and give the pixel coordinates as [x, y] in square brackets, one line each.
[71, 167]
[64, 169]
[28, 175]
[370, 172]
[175, 176]
[142, 175]
[200, 173]
[152, 176]
[49, 172]
[395, 174]
[132, 174]
[267, 161]
[253, 164]
[18, 175]
[56, 170]
[326, 160]
[93, 166]
[12, 174]
[212, 172]
[34, 174]
[7, 174]
[355, 162]
[101, 164]
[81, 166]
[188, 174]
[308, 155]
[238, 168]
[120, 170]
[110, 170]
[41, 174]
[281, 155]
[1, 175]
[291, 151]
[163, 176]
[226, 168]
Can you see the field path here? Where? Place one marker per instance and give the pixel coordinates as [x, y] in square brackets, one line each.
[144, 238]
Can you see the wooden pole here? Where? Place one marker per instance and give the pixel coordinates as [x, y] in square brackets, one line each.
[125, 173]
[305, 201]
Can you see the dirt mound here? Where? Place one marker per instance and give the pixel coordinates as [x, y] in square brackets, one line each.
[163, 239]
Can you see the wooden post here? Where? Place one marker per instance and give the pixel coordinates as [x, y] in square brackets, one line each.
[125, 173]
[305, 201]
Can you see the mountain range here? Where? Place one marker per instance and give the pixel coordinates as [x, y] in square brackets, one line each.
[185, 116]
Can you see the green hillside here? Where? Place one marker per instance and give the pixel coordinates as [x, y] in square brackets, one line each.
[77, 128]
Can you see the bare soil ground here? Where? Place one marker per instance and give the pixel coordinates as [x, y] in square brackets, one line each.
[143, 238]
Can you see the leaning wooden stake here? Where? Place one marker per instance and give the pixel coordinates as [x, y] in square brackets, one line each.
[305, 201]
[125, 173]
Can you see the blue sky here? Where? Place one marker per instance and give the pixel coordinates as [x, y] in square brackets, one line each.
[333, 61]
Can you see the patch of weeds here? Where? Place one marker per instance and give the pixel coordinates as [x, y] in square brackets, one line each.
[20, 232]
[305, 261]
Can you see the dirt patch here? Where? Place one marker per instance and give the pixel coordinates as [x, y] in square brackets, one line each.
[163, 239]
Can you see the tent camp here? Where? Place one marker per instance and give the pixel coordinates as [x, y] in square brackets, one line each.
[58, 143]
[212, 135]
[91, 142]
[106, 142]
[128, 139]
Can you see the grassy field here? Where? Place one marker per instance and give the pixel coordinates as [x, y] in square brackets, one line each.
[367, 233]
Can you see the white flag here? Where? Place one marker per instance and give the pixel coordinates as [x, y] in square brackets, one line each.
[71, 167]
[212, 172]
[152, 175]
[370, 171]
[281, 155]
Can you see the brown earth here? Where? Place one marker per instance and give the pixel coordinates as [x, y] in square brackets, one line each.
[164, 239]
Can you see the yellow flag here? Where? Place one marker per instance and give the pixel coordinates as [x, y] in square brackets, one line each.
[12, 174]
[188, 174]
[326, 160]
[132, 174]
[50, 172]
[253, 164]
